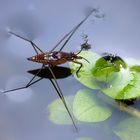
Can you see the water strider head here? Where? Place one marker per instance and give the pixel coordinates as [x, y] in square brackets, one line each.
[39, 58]
[31, 58]
[75, 56]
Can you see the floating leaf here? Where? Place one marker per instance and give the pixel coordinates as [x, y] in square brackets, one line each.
[135, 68]
[116, 61]
[87, 109]
[110, 74]
[107, 67]
[127, 86]
[58, 113]
[84, 75]
[128, 129]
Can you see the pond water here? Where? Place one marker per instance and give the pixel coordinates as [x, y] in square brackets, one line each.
[24, 114]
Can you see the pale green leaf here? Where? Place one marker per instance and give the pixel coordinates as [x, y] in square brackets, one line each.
[85, 75]
[126, 87]
[87, 109]
[58, 113]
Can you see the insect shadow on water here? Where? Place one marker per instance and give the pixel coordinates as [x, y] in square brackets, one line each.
[54, 58]
[59, 72]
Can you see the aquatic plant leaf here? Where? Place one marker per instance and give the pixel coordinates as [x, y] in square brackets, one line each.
[113, 76]
[85, 138]
[86, 107]
[127, 86]
[108, 66]
[84, 75]
[128, 129]
[58, 113]
[135, 68]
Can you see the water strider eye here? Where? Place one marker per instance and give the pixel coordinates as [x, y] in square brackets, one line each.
[33, 58]
[45, 58]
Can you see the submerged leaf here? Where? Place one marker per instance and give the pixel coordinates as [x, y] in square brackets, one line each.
[128, 129]
[58, 113]
[87, 109]
[84, 75]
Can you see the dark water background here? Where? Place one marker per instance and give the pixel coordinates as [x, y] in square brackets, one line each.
[24, 113]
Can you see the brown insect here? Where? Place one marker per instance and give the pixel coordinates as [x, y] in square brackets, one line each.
[54, 58]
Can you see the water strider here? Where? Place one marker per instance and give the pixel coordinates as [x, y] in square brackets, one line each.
[54, 58]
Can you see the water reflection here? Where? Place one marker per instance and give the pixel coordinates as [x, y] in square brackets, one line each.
[20, 95]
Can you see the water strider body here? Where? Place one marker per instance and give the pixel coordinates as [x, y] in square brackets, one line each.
[54, 58]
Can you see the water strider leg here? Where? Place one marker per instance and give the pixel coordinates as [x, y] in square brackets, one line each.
[71, 32]
[60, 94]
[29, 83]
[36, 74]
[79, 51]
[78, 68]
[60, 41]
[35, 47]
[75, 29]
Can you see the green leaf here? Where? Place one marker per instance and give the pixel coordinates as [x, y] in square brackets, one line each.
[110, 74]
[107, 67]
[86, 107]
[135, 68]
[84, 75]
[58, 113]
[128, 129]
[125, 87]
